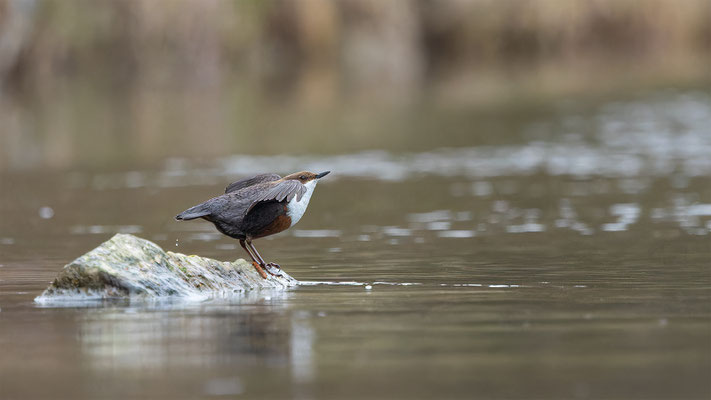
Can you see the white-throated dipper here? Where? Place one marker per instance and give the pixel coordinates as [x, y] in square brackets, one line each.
[256, 207]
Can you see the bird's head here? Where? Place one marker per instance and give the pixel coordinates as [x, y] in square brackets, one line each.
[305, 176]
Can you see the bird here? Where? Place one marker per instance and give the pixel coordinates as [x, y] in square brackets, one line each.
[256, 207]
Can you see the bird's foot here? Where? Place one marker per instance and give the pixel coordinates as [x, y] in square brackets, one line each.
[268, 267]
[260, 270]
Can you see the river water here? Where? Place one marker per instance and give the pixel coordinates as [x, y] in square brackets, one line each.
[572, 260]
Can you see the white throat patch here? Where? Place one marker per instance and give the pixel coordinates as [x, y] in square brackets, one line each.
[296, 209]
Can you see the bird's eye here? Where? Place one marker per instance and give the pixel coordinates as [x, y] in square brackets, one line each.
[302, 177]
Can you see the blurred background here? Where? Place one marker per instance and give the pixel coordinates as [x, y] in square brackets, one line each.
[106, 83]
[525, 186]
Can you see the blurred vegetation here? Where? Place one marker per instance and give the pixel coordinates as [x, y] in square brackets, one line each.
[143, 68]
[324, 47]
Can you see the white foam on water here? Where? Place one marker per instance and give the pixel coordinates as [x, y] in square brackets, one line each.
[463, 284]
[614, 227]
[432, 216]
[439, 225]
[102, 229]
[493, 285]
[335, 283]
[354, 283]
[463, 234]
[316, 233]
[395, 231]
[699, 209]
[526, 228]
[627, 214]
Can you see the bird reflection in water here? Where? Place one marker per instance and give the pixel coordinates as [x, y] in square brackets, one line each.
[255, 331]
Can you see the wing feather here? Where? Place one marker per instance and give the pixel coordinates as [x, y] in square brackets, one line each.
[246, 182]
[285, 190]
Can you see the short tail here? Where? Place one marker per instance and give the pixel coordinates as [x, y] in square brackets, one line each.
[192, 213]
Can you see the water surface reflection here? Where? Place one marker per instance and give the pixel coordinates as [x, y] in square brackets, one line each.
[571, 260]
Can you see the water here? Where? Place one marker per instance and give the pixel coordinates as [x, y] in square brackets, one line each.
[570, 260]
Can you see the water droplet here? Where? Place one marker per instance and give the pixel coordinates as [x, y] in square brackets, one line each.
[46, 212]
[176, 242]
[368, 287]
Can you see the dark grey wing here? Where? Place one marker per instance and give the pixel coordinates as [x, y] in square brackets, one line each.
[286, 190]
[243, 183]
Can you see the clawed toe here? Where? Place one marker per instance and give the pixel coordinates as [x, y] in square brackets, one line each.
[268, 268]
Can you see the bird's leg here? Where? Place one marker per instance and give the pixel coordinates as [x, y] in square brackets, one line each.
[251, 255]
[271, 264]
[253, 250]
[264, 265]
[257, 264]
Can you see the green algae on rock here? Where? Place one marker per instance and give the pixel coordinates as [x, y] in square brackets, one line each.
[128, 266]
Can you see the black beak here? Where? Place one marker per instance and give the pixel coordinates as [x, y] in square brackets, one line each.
[322, 174]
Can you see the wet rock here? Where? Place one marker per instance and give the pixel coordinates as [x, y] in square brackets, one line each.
[128, 266]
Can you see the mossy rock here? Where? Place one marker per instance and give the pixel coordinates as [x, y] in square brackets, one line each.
[128, 266]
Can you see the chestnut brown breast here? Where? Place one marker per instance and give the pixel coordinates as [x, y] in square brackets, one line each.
[266, 219]
[280, 223]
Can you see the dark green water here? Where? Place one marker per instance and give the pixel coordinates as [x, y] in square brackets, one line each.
[570, 259]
